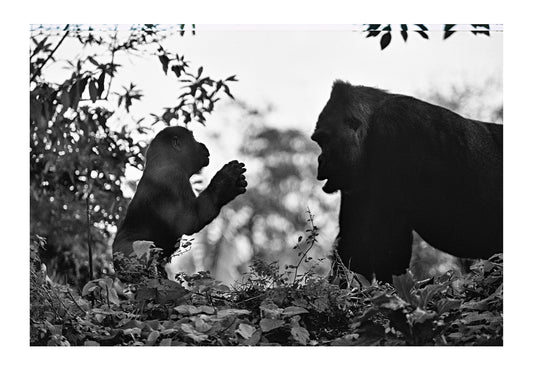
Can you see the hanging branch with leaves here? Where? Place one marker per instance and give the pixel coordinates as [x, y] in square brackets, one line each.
[385, 30]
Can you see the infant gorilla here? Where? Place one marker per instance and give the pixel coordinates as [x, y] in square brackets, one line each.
[164, 206]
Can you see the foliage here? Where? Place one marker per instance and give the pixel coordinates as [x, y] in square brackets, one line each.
[80, 145]
[272, 308]
[373, 30]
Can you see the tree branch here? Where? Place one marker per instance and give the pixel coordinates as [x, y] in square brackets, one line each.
[38, 71]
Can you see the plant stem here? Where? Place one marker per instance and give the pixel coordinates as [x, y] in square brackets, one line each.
[89, 239]
[112, 61]
[313, 241]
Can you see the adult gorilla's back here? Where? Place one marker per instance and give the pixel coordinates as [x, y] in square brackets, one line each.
[401, 165]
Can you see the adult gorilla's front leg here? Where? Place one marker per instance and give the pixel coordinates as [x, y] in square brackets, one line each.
[373, 239]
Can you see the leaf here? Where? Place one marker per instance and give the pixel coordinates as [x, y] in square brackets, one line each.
[145, 293]
[192, 333]
[256, 337]
[83, 84]
[268, 324]
[165, 342]
[420, 316]
[373, 27]
[177, 70]
[486, 26]
[152, 338]
[447, 34]
[206, 309]
[389, 302]
[101, 84]
[152, 325]
[132, 324]
[142, 249]
[93, 91]
[358, 278]
[403, 285]
[456, 335]
[201, 325]
[164, 62]
[294, 310]
[92, 60]
[89, 287]
[428, 292]
[187, 309]
[270, 310]
[424, 35]
[385, 40]
[227, 91]
[74, 94]
[300, 334]
[91, 343]
[245, 330]
[230, 312]
[133, 331]
[346, 340]
[321, 304]
[448, 30]
[373, 33]
[65, 99]
[478, 317]
[112, 296]
[445, 305]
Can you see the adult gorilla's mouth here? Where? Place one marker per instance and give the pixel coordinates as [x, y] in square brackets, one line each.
[329, 187]
[206, 159]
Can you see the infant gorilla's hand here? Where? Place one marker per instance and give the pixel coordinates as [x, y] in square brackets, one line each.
[230, 181]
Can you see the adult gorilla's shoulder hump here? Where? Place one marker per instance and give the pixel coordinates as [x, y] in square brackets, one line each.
[403, 164]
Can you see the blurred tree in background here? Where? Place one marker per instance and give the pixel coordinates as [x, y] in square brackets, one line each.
[282, 186]
[80, 145]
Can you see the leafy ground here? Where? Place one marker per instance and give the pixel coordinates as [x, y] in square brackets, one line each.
[268, 308]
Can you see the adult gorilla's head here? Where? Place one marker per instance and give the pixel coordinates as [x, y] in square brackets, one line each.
[340, 132]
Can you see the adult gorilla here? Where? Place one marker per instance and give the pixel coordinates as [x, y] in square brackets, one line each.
[402, 164]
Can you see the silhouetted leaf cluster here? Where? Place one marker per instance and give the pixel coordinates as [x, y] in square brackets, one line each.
[373, 30]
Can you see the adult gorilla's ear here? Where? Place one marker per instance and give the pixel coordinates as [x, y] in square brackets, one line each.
[177, 143]
[353, 122]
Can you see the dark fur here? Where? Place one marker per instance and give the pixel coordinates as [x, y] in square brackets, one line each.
[164, 206]
[401, 165]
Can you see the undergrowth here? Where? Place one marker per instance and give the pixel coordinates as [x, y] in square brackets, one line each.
[267, 307]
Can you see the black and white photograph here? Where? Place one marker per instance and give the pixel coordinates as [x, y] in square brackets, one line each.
[266, 185]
